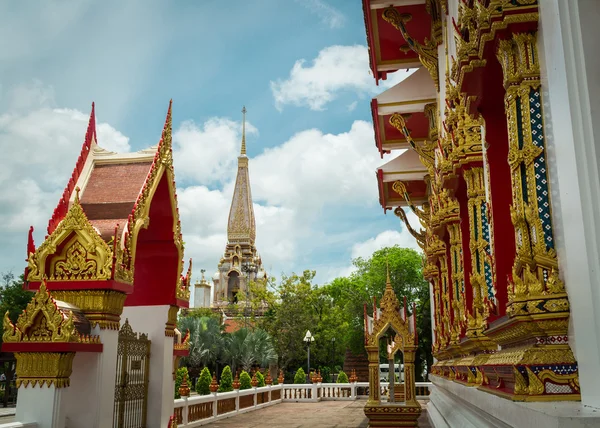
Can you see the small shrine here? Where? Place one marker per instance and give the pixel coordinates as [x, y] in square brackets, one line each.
[97, 345]
[391, 323]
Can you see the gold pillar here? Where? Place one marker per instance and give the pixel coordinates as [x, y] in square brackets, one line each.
[479, 244]
[373, 353]
[409, 377]
[537, 286]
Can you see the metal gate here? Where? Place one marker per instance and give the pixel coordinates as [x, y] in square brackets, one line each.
[131, 384]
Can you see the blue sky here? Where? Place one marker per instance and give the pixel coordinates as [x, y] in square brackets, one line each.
[300, 67]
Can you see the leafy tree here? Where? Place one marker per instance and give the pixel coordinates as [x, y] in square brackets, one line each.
[342, 377]
[226, 383]
[325, 374]
[300, 376]
[245, 380]
[181, 372]
[203, 384]
[206, 340]
[13, 298]
[249, 347]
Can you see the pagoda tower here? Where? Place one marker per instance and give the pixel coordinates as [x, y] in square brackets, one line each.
[241, 263]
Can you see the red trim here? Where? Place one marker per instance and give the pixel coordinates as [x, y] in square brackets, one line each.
[370, 44]
[375, 114]
[181, 353]
[183, 303]
[83, 285]
[381, 190]
[63, 204]
[51, 347]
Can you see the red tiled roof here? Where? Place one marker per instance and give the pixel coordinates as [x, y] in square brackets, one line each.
[110, 194]
[114, 183]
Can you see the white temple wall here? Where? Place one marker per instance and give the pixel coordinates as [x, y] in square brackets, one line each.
[151, 320]
[43, 405]
[90, 398]
[569, 35]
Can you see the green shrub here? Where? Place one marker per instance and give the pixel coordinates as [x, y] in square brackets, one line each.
[226, 383]
[342, 377]
[245, 380]
[325, 374]
[203, 383]
[300, 376]
[288, 377]
[179, 379]
[260, 378]
[275, 381]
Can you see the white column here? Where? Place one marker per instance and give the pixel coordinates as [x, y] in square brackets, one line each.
[90, 398]
[42, 405]
[161, 390]
[570, 67]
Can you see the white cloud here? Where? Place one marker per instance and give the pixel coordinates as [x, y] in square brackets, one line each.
[206, 153]
[313, 169]
[352, 106]
[387, 238]
[335, 69]
[41, 147]
[329, 15]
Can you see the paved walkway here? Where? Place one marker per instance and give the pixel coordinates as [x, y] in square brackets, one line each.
[324, 414]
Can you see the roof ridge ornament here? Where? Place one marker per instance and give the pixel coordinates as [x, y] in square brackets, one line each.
[243, 151]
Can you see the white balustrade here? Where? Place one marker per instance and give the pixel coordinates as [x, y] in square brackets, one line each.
[199, 410]
[19, 425]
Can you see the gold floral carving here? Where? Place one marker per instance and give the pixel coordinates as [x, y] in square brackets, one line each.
[43, 321]
[85, 255]
[44, 368]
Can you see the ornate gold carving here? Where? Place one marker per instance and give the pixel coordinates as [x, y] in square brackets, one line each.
[389, 317]
[84, 256]
[101, 307]
[427, 51]
[44, 368]
[535, 386]
[42, 321]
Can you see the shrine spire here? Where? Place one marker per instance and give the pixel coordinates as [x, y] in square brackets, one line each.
[388, 281]
[243, 151]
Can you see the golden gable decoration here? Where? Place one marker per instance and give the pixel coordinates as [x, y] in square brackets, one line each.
[85, 256]
[43, 321]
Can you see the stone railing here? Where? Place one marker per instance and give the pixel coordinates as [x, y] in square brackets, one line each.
[202, 409]
[341, 391]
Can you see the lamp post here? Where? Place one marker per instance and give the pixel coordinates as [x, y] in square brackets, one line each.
[248, 269]
[308, 338]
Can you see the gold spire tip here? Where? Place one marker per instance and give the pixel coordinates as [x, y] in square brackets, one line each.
[388, 282]
[243, 152]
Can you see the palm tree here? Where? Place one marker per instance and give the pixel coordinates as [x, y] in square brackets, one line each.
[246, 348]
[206, 340]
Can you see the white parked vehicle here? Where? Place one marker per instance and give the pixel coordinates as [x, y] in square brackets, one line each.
[384, 372]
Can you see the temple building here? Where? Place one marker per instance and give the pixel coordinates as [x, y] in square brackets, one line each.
[241, 263]
[493, 148]
[109, 282]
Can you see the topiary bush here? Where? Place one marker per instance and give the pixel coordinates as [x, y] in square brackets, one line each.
[226, 383]
[203, 384]
[300, 376]
[275, 381]
[342, 377]
[245, 380]
[179, 379]
[260, 378]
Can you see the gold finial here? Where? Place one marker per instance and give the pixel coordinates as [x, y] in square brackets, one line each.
[244, 131]
[388, 282]
[77, 189]
[203, 270]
